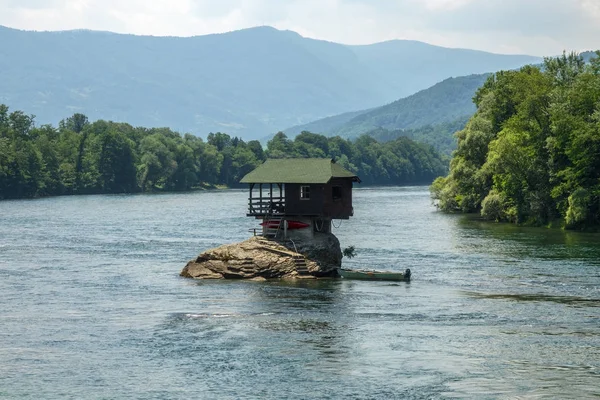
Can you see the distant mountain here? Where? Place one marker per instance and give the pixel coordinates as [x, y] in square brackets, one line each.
[444, 102]
[424, 65]
[439, 136]
[325, 125]
[247, 83]
[588, 55]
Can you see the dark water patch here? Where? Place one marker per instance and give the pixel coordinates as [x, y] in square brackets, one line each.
[300, 325]
[574, 301]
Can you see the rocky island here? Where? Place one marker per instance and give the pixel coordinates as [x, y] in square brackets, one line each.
[296, 200]
[260, 258]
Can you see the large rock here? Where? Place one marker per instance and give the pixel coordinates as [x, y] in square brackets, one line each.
[259, 258]
[324, 248]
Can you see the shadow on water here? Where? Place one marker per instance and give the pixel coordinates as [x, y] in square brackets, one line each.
[272, 331]
[302, 305]
[308, 314]
[298, 295]
[568, 300]
[282, 296]
[544, 243]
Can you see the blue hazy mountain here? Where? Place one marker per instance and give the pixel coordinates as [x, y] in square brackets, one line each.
[247, 83]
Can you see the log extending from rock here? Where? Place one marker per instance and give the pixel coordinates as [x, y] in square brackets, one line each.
[258, 258]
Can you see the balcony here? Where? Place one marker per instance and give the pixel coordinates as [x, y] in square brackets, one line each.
[261, 206]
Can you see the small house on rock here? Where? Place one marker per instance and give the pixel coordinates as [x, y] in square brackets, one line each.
[298, 197]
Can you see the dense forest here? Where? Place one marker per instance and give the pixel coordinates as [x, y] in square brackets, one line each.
[83, 157]
[531, 153]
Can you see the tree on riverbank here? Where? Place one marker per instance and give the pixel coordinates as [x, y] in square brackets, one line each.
[82, 157]
[531, 153]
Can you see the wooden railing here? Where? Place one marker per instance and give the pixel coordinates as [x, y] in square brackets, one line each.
[265, 206]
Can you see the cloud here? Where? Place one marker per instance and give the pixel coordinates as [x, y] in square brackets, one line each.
[534, 26]
[538, 27]
[445, 4]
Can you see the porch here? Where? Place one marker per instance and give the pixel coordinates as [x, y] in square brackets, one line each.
[266, 199]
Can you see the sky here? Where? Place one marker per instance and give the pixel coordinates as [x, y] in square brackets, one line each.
[535, 27]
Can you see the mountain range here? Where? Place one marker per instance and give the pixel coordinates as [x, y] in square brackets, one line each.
[247, 83]
[444, 102]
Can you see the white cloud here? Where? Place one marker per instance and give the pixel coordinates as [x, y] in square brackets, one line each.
[539, 27]
[440, 5]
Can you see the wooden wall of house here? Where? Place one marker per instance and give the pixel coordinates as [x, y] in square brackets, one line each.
[294, 205]
[338, 199]
[333, 200]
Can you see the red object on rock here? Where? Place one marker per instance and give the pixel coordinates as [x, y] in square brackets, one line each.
[290, 224]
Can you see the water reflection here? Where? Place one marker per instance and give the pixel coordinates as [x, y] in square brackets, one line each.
[517, 241]
[311, 314]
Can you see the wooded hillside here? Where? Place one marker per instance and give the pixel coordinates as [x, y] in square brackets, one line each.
[531, 153]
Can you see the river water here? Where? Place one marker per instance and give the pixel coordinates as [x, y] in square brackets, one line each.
[92, 306]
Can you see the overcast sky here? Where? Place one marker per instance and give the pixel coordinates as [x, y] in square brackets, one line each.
[536, 27]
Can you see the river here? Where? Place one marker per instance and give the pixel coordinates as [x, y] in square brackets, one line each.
[92, 306]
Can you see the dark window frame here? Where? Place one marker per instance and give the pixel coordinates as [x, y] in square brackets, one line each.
[305, 192]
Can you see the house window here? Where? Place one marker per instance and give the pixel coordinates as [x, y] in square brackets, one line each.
[304, 192]
[336, 192]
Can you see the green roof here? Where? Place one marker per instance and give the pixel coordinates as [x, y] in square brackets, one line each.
[298, 170]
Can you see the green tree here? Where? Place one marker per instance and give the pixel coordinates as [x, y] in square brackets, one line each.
[530, 153]
[280, 146]
[116, 163]
[255, 147]
[46, 143]
[157, 162]
[76, 123]
[185, 176]
[309, 144]
[220, 140]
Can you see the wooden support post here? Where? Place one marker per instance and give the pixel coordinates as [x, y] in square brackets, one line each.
[280, 194]
[260, 198]
[250, 201]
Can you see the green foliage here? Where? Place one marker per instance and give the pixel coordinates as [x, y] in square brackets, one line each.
[116, 163]
[398, 162]
[76, 123]
[280, 146]
[493, 207]
[107, 157]
[579, 208]
[349, 252]
[531, 152]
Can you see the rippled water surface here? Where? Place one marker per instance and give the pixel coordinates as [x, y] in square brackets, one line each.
[91, 306]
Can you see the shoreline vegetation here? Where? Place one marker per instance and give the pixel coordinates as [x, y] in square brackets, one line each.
[531, 153]
[105, 157]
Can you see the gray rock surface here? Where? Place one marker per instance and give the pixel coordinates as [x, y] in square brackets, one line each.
[258, 258]
[323, 248]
